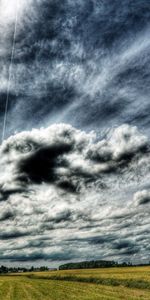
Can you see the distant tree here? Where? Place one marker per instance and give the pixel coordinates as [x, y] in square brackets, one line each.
[3, 269]
[43, 268]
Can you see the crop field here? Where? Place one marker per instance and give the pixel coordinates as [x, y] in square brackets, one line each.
[114, 283]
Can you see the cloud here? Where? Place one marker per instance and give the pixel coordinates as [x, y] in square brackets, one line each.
[83, 63]
[13, 234]
[61, 187]
[124, 143]
[67, 157]
[142, 197]
[40, 166]
[6, 214]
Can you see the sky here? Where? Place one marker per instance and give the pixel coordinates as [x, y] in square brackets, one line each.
[75, 148]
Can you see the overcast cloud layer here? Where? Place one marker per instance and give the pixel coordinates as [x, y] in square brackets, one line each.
[77, 185]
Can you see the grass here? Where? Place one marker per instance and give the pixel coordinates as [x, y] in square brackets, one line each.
[115, 283]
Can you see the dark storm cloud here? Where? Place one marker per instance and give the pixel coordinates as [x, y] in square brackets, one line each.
[40, 166]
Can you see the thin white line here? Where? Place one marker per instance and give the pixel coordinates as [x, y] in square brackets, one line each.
[10, 71]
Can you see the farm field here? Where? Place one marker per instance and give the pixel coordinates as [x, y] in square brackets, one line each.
[114, 283]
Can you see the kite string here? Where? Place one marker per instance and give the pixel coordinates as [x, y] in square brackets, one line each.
[9, 76]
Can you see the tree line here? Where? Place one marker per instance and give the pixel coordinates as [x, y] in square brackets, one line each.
[95, 264]
[4, 269]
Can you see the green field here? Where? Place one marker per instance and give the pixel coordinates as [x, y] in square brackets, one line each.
[115, 283]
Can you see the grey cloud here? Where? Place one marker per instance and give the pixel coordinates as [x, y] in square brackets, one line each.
[63, 216]
[4, 194]
[13, 234]
[96, 240]
[38, 256]
[142, 197]
[123, 244]
[6, 214]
